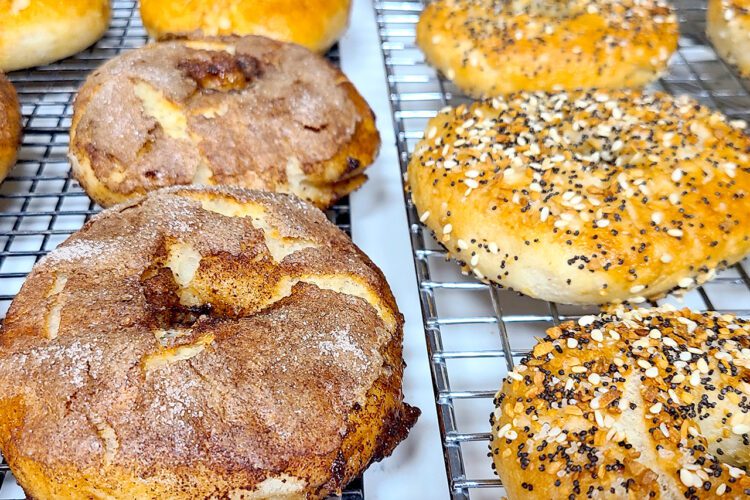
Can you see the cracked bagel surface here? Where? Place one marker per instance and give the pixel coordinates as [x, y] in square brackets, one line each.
[201, 342]
[239, 111]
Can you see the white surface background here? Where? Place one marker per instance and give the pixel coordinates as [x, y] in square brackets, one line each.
[379, 225]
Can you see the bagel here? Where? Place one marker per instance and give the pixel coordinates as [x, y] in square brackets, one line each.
[651, 403]
[10, 126]
[315, 24]
[727, 25]
[38, 32]
[243, 111]
[491, 47]
[201, 343]
[587, 197]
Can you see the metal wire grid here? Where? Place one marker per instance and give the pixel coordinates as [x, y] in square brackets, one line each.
[40, 204]
[476, 333]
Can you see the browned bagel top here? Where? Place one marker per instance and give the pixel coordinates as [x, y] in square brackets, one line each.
[225, 328]
[245, 111]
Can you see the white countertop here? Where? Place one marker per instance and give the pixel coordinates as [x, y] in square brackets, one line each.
[379, 225]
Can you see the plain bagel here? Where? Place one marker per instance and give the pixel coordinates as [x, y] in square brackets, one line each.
[38, 32]
[315, 24]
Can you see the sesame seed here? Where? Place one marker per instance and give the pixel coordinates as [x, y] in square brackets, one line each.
[503, 430]
[735, 472]
[669, 342]
[677, 233]
[685, 282]
[702, 365]
[572, 343]
[741, 429]
[689, 479]
[652, 372]
[447, 229]
[664, 430]
[586, 320]
[544, 214]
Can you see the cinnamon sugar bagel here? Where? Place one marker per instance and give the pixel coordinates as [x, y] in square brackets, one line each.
[727, 26]
[315, 24]
[201, 343]
[242, 111]
[493, 47]
[639, 404]
[586, 197]
[10, 125]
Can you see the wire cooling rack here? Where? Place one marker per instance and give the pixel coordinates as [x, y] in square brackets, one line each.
[475, 333]
[40, 204]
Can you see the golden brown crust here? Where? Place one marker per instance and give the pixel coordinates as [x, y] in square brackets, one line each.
[315, 24]
[586, 197]
[37, 32]
[10, 125]
[244, 111]
[651, 403]
[494, 47]
[201, 342]
[727, 26]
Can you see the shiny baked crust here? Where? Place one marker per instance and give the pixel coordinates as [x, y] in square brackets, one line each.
[727, 26]
[315, 24]
[494, 47]
[201, 342]
[242, 111]
[651, 403]
[586, 197]
[10, 125]
[38, 32]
